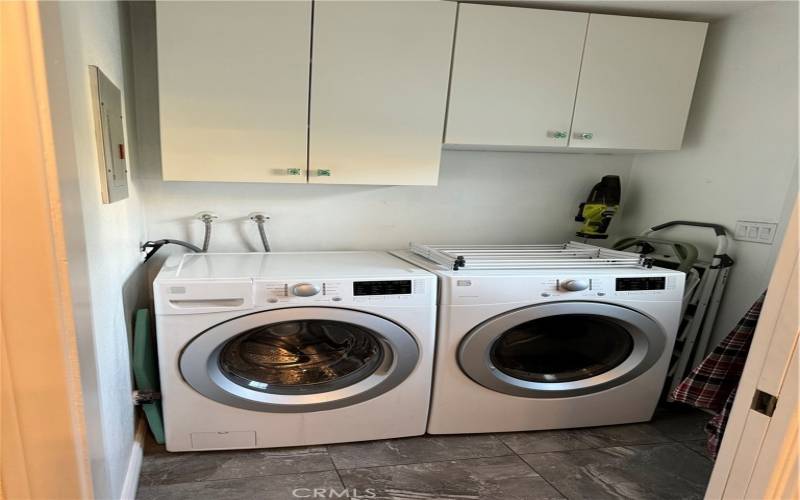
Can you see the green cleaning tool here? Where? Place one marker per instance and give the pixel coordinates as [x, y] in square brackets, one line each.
[599, 208]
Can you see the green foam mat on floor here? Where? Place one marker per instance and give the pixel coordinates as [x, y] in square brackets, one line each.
[145, 371]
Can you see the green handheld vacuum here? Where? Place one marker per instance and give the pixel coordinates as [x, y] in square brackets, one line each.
[599, 208]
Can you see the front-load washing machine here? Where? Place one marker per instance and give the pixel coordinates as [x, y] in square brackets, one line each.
[536, 337]
[286, 349]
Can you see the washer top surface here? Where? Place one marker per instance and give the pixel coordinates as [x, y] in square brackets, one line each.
[280, 265]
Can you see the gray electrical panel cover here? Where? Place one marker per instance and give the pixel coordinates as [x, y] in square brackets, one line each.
[110, 135]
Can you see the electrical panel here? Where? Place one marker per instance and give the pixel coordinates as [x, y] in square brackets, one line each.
[110, 137]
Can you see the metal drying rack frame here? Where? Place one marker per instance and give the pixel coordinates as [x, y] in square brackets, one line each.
[574, 255]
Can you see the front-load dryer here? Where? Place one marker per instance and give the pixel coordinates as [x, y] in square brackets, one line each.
[548, 337]
[286, 349]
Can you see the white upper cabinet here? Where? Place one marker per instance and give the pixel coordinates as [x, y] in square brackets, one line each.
[356, 92]
[636, 83]
[233, 90]
[538, 78]
[379, 91]
[515, 71]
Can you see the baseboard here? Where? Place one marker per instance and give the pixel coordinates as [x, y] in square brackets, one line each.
[134, 463]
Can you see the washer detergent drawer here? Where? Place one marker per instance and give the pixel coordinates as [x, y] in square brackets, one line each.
[197, 297]
[223, 440]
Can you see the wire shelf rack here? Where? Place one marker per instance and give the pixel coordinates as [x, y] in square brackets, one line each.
[573, 254]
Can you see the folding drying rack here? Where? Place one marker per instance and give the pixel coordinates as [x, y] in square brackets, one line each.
[490, 257]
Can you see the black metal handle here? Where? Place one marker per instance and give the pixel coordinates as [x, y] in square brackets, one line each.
[719, 229]
[685, 252]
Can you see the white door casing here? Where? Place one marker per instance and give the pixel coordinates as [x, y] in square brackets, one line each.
[758, 455]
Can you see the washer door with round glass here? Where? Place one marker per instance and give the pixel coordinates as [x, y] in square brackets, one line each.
[561, 349]
[299, 359]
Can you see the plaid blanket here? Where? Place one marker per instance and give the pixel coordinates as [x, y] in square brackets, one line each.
[712, 385]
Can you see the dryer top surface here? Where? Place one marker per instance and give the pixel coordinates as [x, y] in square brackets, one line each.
[490, 274]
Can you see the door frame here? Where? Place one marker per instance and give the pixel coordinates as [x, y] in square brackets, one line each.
[44, 445]
[758, 456]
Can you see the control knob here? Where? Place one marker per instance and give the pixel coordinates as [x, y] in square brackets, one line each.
[305, 290]
[575, 285]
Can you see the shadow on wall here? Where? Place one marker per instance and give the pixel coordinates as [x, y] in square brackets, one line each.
[134, 296]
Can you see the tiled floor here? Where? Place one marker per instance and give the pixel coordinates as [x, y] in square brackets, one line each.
[661, 459]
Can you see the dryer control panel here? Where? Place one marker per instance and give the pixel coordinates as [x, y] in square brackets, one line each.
[642, 283]
[571, 285]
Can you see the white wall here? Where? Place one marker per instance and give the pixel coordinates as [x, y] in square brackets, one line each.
[481, 197]
[102, 240]
[739, 160]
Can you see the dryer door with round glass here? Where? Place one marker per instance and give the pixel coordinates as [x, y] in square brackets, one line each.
[561, 349]
[299, 359]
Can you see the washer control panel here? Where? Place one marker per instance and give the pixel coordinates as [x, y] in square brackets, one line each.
[388, 292]
[572, 285]
[575, 285]
[305, 290]
[397, 287]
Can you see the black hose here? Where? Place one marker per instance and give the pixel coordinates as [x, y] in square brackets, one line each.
[154, 246]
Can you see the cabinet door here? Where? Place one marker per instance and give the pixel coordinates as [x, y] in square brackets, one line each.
[636, 82]
[515, 71]
[233, 90]
[379, 90]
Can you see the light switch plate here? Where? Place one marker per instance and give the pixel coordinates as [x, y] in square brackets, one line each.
[754, 231]
[110, 137]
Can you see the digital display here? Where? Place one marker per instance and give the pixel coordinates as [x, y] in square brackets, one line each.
[641, 284]
[398, 287]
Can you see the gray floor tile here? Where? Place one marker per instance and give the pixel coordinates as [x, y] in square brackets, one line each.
[153, 448]
[161, 467]
[681, 424]
[663, 471]
[698, 446]
[581, 439]
[255, 488]
[496, 478]
[415, 450]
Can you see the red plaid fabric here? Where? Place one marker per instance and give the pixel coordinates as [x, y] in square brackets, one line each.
[712, 385]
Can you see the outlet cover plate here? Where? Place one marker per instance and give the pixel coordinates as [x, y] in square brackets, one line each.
[755, 231]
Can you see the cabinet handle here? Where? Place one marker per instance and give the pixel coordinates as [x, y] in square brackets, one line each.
[559, 134]
[324, 172]
[585, 135]
[294, 171]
